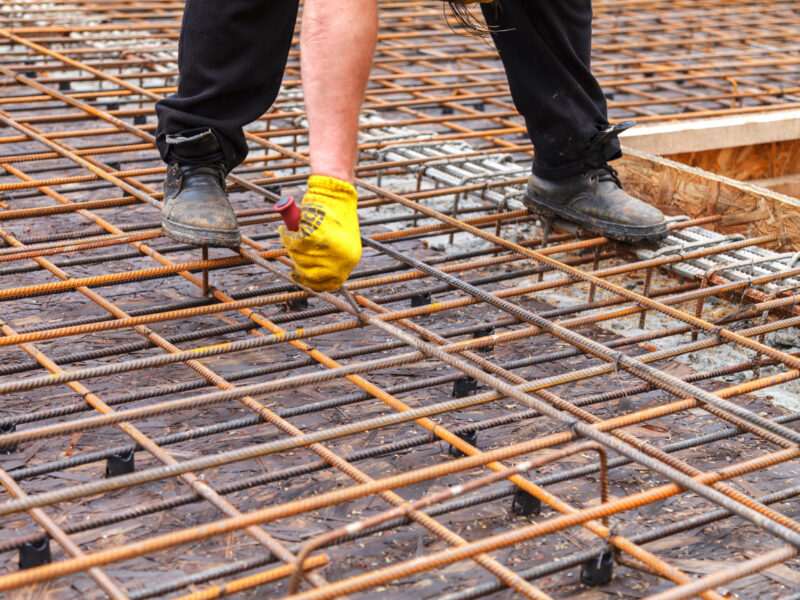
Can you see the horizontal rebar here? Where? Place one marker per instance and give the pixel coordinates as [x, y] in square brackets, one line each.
[533, 333]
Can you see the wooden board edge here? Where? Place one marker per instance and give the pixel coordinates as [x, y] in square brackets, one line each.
[699, 135]
[677, 189]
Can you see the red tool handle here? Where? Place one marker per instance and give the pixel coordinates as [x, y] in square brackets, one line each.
[290, 212]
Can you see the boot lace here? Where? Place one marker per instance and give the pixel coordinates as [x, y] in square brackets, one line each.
[607, 173]
[189, 169]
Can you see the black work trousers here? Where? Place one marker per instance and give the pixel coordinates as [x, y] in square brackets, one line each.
[232, 54]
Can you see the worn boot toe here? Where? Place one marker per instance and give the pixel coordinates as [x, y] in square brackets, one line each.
[200, 214]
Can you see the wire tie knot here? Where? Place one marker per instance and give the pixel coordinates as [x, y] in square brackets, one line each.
[573, 426]
[617, 357]
[611, 533]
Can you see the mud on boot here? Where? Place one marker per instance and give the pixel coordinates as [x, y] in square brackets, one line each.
[595, 200]
[196, 207]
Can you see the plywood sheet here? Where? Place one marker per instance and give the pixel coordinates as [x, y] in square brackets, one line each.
[680, 189]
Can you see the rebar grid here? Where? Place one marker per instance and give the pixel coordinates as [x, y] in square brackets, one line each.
[312, 451]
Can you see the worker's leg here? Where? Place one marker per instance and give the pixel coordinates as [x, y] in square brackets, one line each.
[337, 43]
[545, 47]
[231, 57]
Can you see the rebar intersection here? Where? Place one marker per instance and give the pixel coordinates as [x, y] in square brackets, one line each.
[458, 348]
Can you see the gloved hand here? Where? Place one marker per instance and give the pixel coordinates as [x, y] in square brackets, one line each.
[328, 244]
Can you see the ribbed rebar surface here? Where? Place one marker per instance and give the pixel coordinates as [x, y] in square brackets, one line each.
[507, 415]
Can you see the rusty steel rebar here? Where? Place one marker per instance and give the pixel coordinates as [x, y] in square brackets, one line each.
[331, 416]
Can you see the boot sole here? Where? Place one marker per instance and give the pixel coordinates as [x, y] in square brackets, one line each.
[617, 231]
[201, 237]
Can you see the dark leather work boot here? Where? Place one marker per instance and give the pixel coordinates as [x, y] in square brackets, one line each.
[196, 208]
[595, 200]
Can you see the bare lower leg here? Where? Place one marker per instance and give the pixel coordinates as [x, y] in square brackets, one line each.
[337, 42]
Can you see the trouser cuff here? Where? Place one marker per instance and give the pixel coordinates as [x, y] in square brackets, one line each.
[560, 170]
[220, 155]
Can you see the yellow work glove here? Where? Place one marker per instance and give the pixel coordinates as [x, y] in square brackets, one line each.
[328, 244]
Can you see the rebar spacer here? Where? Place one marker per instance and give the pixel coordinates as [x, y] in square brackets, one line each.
[8, 428]
[299, 304]
[524, 503]
[471, 437]
[120, 464]
[34, 554]
[422, 299]
[483, 332]
[464, 386]
[598, 571]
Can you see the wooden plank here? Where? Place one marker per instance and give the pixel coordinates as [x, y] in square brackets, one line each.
[677, 189]
[700, 135]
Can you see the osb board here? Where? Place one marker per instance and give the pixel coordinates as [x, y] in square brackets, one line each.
[679, 189]
[745, 163]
